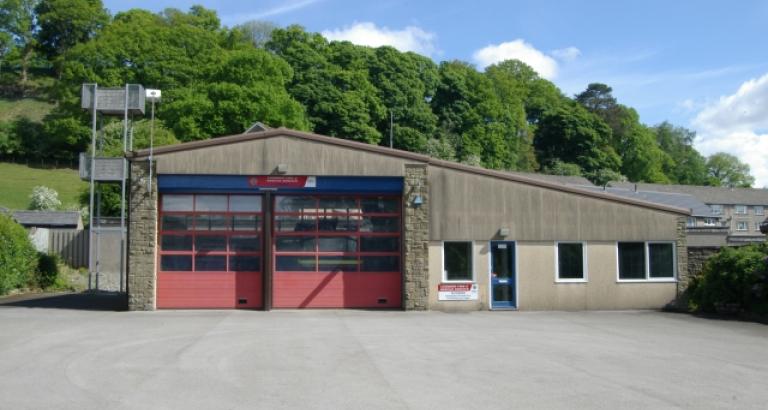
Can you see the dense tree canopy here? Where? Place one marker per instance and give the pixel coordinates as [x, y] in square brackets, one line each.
[218, 80]
[66, 23]
[726, 170]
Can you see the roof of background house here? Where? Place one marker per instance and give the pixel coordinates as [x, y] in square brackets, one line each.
[560, 179]
[706, 194]
[697, 207]
[47, 218]
[308, 136]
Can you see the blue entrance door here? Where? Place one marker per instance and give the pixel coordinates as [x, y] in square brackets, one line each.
[503, 273]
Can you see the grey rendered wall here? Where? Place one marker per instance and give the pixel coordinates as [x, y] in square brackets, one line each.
[261, 157]
[540, 291]
[466, 206]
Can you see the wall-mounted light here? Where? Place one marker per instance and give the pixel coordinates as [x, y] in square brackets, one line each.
[503, 232]
[417, 201]
[282, 169]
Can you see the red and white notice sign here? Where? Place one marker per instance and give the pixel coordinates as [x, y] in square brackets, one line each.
[457, 291]
[282, 181]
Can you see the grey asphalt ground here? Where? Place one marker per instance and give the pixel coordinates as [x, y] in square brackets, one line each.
[59, 355]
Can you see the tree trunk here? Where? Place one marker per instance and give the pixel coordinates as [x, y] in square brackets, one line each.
[25, 66]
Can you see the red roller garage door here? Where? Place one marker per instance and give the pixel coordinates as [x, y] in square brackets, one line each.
[336, 251]
[210, 251]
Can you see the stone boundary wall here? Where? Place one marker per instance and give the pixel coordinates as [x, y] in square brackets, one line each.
[698, 256]
[681, 243]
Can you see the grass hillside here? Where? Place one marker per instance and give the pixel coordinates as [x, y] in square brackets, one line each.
[17, 181]
[31, 108]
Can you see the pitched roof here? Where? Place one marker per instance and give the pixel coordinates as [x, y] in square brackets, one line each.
[515, 177]
[48, 218]
[706, 194]
[560, 179]
[687, 201]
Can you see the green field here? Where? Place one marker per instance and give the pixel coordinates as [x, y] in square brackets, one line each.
[31, 108]
[17, 181]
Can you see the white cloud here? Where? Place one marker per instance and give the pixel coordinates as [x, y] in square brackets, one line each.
[566, 54]
[518, 49]
[738, 124]
[411, 38]
[283, 8]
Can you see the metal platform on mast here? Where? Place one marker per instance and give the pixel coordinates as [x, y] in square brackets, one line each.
[127, 101]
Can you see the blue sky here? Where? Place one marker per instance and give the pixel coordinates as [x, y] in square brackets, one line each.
[699, 64]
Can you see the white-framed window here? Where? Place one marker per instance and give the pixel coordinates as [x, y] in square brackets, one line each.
[646, 261]
[457, 261]
[742, 225]
[759, 210]
[570, 261]
[710, 221]
[690, 222]
[716, 209]
[740, 210]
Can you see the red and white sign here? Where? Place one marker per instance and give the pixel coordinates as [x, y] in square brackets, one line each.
[457, 291]
[282, 181]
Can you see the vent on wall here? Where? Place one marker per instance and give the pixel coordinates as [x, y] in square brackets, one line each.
[242, 301]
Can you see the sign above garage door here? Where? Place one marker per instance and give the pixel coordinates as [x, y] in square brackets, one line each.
[173, 183]
[282, 181]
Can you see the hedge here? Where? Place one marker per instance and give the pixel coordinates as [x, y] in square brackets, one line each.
[18, 259]
[735, 280]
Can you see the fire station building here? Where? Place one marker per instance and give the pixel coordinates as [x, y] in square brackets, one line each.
[279, 218]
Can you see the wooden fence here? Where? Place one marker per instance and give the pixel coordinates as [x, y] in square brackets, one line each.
[71, 245]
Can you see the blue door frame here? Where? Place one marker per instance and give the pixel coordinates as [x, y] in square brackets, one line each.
[503, 275]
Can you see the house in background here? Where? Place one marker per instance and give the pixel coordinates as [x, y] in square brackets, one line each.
[740, 210]
[704, 228]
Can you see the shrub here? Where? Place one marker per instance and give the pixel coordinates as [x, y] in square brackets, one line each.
[734, 280]
[18, 259]
[44, 199]
[47, 270]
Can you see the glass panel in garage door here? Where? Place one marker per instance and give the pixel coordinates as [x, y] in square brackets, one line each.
[210, 247]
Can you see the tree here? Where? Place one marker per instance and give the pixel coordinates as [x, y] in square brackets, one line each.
[333, 84]
[642, 159]
[726, 170]
[43, 198]
[404, 83]
[511, 81]
[572, 134]
[597, 97]
[65, 23]
[112, 142]
[687, 166]
[6, 43]
[17, 20]
[473, 118]
[557, 167]
[209, 88]
[246, 86]
[256, 32]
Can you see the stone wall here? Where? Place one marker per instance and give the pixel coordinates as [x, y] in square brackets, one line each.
[697, 257]
[683, 272]
[142, 238]
[416, 238]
